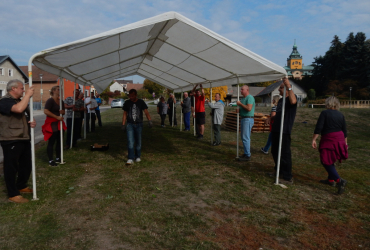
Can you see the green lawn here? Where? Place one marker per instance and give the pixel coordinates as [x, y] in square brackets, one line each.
[186, 194]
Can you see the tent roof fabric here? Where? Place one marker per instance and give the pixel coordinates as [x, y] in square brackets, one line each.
[168, 49]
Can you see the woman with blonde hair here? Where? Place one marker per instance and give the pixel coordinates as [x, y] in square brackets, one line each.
[51, 128]
[333, 144]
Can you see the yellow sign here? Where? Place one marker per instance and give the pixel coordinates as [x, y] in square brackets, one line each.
[30, 74]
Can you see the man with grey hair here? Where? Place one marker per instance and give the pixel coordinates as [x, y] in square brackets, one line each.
[15, 139]
[186, 109]
[171, 102]
[217, 117]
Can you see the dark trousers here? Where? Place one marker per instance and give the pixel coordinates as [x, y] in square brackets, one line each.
[286, 155]
[169, 112]
[17, 161]
[99, 117]
[54, 139]
[332, 172]
[92, 122]
[69, 131]
[163, 118]
[77, 131]
[217, 133]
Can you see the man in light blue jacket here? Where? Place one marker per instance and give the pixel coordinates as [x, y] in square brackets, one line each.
[217, 117]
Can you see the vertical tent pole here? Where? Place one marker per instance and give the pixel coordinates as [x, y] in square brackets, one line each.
[280, 138]
[61, 90]
[73, 115]
[194, 115]
[173, 109]
[237, 122]
[84, 113]
[182, 94]
[32, 135]
[212, 118]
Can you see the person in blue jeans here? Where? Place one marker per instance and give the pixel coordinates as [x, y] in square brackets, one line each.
[97, 110]
[246, 110]
[186, 109]
[275, 101]
[133, 114]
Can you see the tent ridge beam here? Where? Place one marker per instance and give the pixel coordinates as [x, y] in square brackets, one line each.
[166, 73]
[111, 52]
[180, 68]
[195, 56]
[161, 78]
[151, 46]
[113, 72]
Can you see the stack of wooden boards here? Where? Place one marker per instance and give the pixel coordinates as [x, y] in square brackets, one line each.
[259, 122]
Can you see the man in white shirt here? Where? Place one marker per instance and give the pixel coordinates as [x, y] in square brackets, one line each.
[91, 105]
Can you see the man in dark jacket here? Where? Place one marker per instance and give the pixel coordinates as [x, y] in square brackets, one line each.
[15, 140]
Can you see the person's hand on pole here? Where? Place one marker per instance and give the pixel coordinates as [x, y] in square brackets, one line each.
[32, 124]
[62, 112]
[286, 83]
[29, 92]
[60, 118]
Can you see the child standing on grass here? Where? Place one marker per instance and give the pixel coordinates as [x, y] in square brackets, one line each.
[275, 101]
[162, 108]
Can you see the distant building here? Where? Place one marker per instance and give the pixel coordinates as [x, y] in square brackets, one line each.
[232, 92]
[295, 68]
[125, 86]
[272, 90]
[9, 70]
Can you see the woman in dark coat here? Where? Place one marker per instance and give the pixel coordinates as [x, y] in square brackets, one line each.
[333, 144]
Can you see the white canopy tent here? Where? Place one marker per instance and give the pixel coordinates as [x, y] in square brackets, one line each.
[168, 49]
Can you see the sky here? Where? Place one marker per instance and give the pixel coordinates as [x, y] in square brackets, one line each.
[266, 27]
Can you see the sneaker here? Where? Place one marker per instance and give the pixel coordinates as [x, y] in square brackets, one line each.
[285, 181]
[18, 199]
[52, 163]
[341, 184]
[244, 158]
[263, 151]
[57, 160]
[138, 159]
[26, 190]
[200, 137]
[129, 162]
[216, 143]
[327, 182]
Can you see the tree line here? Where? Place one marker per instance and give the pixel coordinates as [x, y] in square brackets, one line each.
[345, 65]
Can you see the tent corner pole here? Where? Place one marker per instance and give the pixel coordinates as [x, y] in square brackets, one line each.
[237, 121]
[212, 118]
[61, 97]
[280, 139]
[173, 109]
[85, 116]
[181, 114]
[73, 115]
[33, 161]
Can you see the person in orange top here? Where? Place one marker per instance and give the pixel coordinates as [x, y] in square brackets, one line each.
[51, 128]
[200, 112]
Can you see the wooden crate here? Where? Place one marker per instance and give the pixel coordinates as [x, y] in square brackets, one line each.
[259, 122]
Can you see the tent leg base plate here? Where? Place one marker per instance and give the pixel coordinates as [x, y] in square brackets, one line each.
[281, 185]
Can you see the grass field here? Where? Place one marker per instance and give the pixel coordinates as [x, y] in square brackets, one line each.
[187, 194]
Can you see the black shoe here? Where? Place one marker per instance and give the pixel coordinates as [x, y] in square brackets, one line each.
[200, 137]
[52, 163]
[341, 184]
[57, 160]
[244, 158]
[216, 143]
[327, 182]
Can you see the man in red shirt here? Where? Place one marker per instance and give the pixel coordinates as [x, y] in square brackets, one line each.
[200, 112]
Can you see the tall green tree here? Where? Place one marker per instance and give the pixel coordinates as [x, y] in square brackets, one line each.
[153, 87]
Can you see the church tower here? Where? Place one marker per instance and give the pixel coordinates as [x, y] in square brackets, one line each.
[294, 61]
